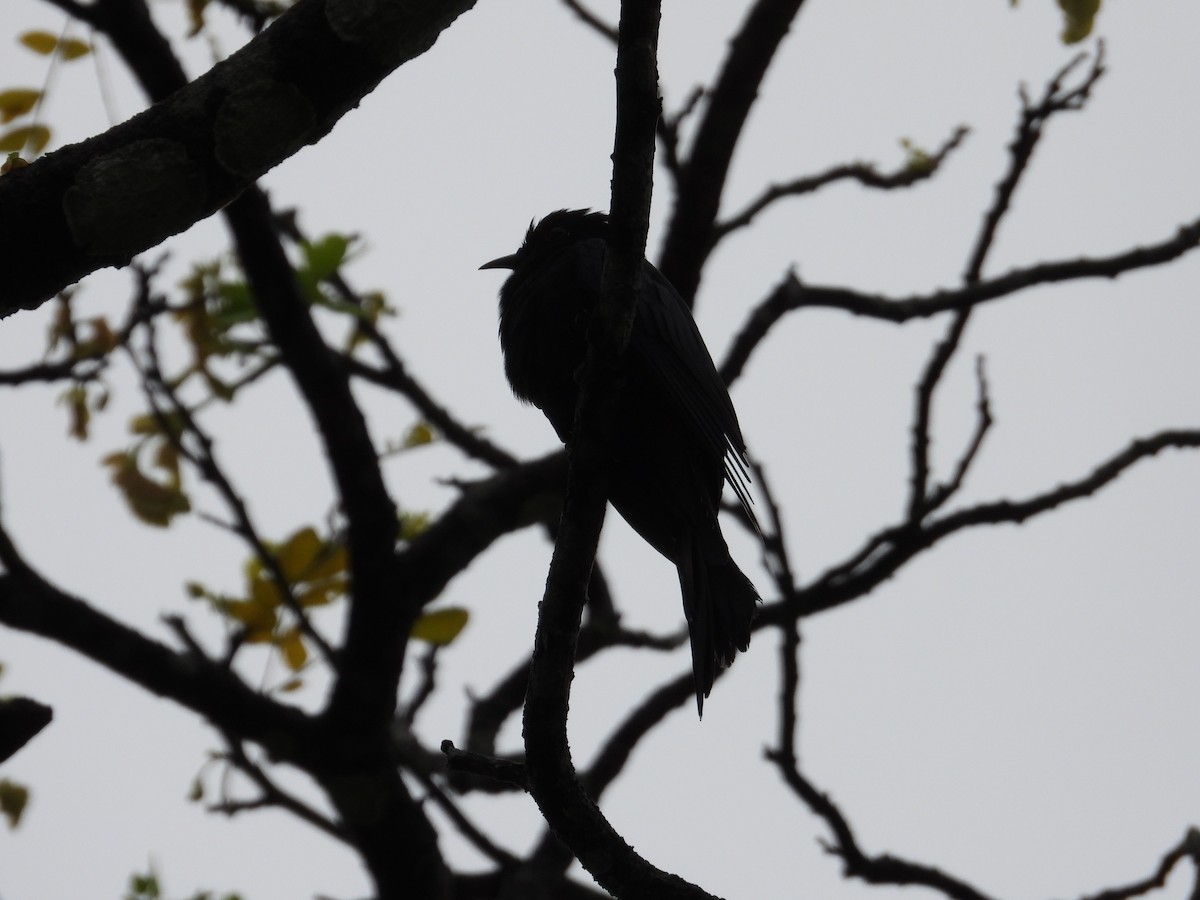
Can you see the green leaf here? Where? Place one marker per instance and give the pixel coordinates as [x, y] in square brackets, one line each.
[441, 626]
[235, 304]
[325, 256]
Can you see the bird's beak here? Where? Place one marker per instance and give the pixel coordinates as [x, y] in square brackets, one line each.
[503, 262]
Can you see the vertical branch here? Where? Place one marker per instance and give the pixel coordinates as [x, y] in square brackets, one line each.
[1055, 99]
[568, 810]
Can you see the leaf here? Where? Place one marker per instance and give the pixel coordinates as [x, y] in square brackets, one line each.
[16, 102]
[420, 434]
[75, 398]
[13, 800]
[258, 619]
[235, 305]
[42, 42]
[265, 592]
[291, 647]
[331, 562]
[1079, 18]
[154, 503]
[412, 525]
[73, 48]
[441, 626]
[195, 10]
[325, 256]
[35, 136]
[298, 554]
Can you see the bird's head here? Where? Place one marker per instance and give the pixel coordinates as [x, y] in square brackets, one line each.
[555, 231]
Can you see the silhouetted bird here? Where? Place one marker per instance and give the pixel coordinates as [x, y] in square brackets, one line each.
[676, 438]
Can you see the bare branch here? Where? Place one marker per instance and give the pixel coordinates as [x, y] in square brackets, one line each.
[918, 499]
[883, 869]
[791, 294]
[1187, 848]
[865, 174]
[689, 235]
[503, 770]
[272, 796]
[593, 21]
[884, 553]
[983, 422]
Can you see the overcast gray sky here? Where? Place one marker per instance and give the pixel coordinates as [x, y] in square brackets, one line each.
[1016, 707]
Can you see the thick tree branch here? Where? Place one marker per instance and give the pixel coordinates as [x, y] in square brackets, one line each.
[100, 202]
[364, 696]
[29, 603]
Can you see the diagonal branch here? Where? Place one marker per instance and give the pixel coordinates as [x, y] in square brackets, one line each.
[29, 603]
[885, 552]
[99, 202]
[689, 237]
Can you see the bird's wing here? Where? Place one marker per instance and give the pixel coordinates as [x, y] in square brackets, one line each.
[666, 338]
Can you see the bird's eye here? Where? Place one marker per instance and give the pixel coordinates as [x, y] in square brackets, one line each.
[558, 234]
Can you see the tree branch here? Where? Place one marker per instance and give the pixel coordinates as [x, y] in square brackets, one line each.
[689, 237]
[865, 174]
[100, 202]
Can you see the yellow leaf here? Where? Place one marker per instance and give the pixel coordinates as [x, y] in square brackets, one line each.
[331, 562]
[73, 48]
[13, 800]
[420, 434]
[258, 620]
[16, 102]
[195, 10]
[266, 593]
[42, 42]
[298, 553]
[1079, 19]
[320, 595]
[441, 626]
[412, 524]
[14, 141]
[99, 341]
[291, 646]
[153, 503]
[75, 399]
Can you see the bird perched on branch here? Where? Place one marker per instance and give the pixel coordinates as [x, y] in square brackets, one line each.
[676, 437]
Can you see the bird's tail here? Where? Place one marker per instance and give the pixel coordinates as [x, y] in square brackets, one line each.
[720, 603]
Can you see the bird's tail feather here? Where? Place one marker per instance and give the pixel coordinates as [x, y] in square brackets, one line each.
[720, 603]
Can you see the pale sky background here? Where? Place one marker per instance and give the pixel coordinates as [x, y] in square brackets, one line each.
[1016, 708]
